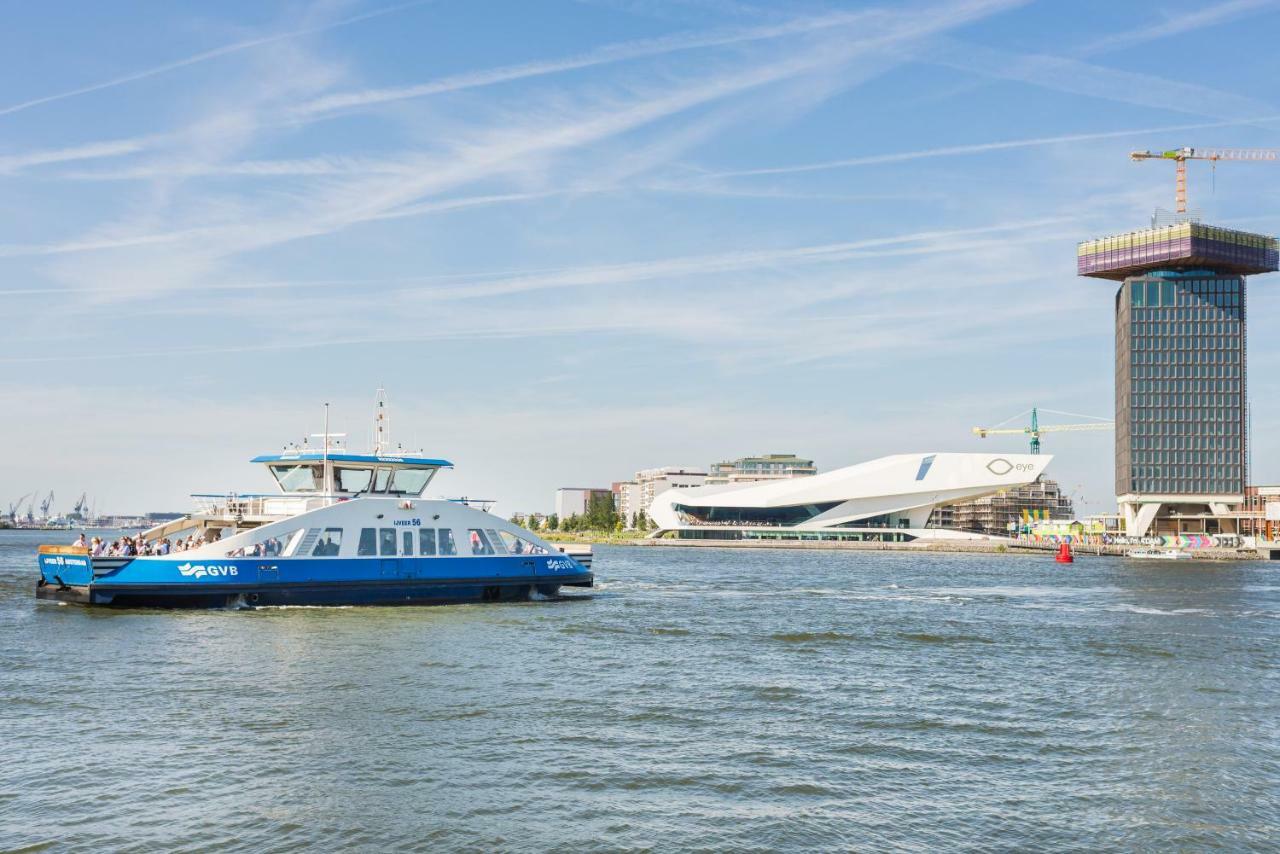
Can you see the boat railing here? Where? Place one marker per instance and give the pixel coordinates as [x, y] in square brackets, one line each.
[250, 505]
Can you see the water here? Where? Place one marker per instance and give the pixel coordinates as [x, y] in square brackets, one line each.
[701, 699]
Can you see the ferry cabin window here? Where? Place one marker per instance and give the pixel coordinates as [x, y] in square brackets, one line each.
[380, 480]
[447, 546]
[495, 542]
[387, 542]
[368, 542]
[410, 481]
[426, 541]
[354, 480]
[518, 545]
[406, 541]
[480, 543]
[296, 477]
[271, 545]
[329, 544]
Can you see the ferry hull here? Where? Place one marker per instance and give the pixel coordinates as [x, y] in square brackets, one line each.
[169, 583]
[348, 593]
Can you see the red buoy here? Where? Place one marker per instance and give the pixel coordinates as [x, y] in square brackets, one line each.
[1064, 554]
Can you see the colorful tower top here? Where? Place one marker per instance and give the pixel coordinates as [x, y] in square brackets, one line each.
[1184, 246]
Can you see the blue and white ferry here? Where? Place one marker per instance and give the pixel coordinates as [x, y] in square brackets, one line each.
[341, 529]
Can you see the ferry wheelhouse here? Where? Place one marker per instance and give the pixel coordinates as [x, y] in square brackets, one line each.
[340, 529]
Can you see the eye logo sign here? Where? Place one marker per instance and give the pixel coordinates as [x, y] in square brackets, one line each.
[999, 466]
[200, 570]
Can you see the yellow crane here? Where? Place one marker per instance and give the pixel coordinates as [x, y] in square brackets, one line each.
[1036, 428]
[1182, 155]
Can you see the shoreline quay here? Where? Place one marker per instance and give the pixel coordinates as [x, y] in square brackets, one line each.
[937, 546]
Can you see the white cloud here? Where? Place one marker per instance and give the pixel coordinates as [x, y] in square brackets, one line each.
[492, 152]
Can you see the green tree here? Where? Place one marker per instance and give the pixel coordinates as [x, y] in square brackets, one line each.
[515, 519]
[531, 522]
[601, 513]
[635, 521]
[553, 522]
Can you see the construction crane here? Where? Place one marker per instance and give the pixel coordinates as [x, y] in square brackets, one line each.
[82, 504]
[15, 506]
[1182, 155]
[1036, 428]
[45, 505]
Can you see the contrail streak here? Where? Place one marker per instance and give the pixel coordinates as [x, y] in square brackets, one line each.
[607, 54]
[203, 57]
[978, 148]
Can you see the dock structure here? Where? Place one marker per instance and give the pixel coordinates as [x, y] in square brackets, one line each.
[1180, 377]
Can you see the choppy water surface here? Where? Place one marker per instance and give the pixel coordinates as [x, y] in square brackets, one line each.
[713, 699]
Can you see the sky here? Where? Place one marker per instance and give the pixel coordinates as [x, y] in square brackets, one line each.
[577, 239]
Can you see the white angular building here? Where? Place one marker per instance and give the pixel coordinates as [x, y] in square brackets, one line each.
[887, 499]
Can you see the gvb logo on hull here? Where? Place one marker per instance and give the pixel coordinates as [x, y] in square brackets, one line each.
[201, 570]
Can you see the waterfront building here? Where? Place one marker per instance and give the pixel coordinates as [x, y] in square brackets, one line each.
[766, 467]
[574, 500]
[633, 497]
[1040, 500]
[1180, 374]
[626, 497]
[1260, 513]
[888, 499]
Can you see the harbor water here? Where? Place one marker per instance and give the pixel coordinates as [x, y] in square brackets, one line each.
[698, 699]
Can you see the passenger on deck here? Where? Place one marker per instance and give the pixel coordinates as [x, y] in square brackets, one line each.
[81, 542]
[97, 546]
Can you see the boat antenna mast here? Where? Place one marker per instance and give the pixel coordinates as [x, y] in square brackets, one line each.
[328, 470]
[381, 422]
[331, 442]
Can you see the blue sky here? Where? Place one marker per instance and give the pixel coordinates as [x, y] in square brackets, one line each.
[576, 239]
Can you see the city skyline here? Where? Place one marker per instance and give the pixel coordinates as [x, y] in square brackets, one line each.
[591, 238]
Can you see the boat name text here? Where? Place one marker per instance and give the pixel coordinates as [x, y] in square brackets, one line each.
[200, 570]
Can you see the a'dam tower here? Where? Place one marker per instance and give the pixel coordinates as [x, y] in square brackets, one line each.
[1181, 407]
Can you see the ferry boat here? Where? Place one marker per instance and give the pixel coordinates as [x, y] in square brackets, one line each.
[340, 529]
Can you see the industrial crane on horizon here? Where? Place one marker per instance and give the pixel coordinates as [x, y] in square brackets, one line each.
[1181, 155]
[1036, 428]
[17, 506]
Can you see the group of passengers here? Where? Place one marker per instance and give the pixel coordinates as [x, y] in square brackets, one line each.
[272, 547]
[726, 523]
[275, 546]
[139, 545]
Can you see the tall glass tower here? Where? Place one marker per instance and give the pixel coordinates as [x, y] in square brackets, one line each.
[1181, 410]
